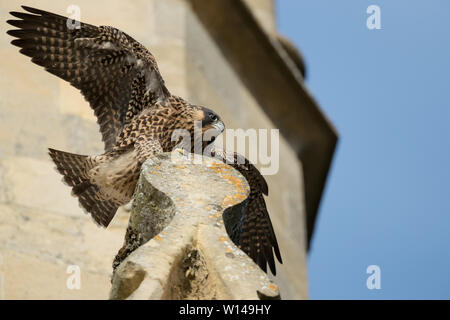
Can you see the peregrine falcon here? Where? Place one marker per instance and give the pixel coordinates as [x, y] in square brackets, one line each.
[137, 116]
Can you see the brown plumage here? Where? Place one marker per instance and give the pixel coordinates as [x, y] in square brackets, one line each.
[137, 116]
[255, 234]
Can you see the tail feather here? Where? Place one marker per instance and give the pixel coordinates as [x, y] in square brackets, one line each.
[101, 210]
[74, 167]
[75, 171]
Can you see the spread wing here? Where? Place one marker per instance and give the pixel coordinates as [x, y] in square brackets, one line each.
[257, 237]
[115, 73]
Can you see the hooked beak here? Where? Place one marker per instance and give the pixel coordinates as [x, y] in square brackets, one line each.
[219, 126]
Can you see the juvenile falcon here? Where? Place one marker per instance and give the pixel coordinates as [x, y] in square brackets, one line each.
[137, 116]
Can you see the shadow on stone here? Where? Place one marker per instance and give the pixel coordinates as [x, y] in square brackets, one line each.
[190, 278]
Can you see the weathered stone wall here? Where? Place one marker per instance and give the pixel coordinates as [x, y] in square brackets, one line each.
[264, 11]
[42, 229]
[212, 82]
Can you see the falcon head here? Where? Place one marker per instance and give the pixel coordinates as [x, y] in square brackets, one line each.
[201, 124]
[211, 124]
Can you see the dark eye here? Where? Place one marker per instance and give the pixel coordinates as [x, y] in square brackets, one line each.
[213, 117]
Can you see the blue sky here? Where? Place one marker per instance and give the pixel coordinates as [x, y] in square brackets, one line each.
[387, 200]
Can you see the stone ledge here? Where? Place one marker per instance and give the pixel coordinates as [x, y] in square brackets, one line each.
[177, 246]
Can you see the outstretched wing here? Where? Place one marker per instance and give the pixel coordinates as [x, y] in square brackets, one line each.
[115, 73]
[257, 237]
